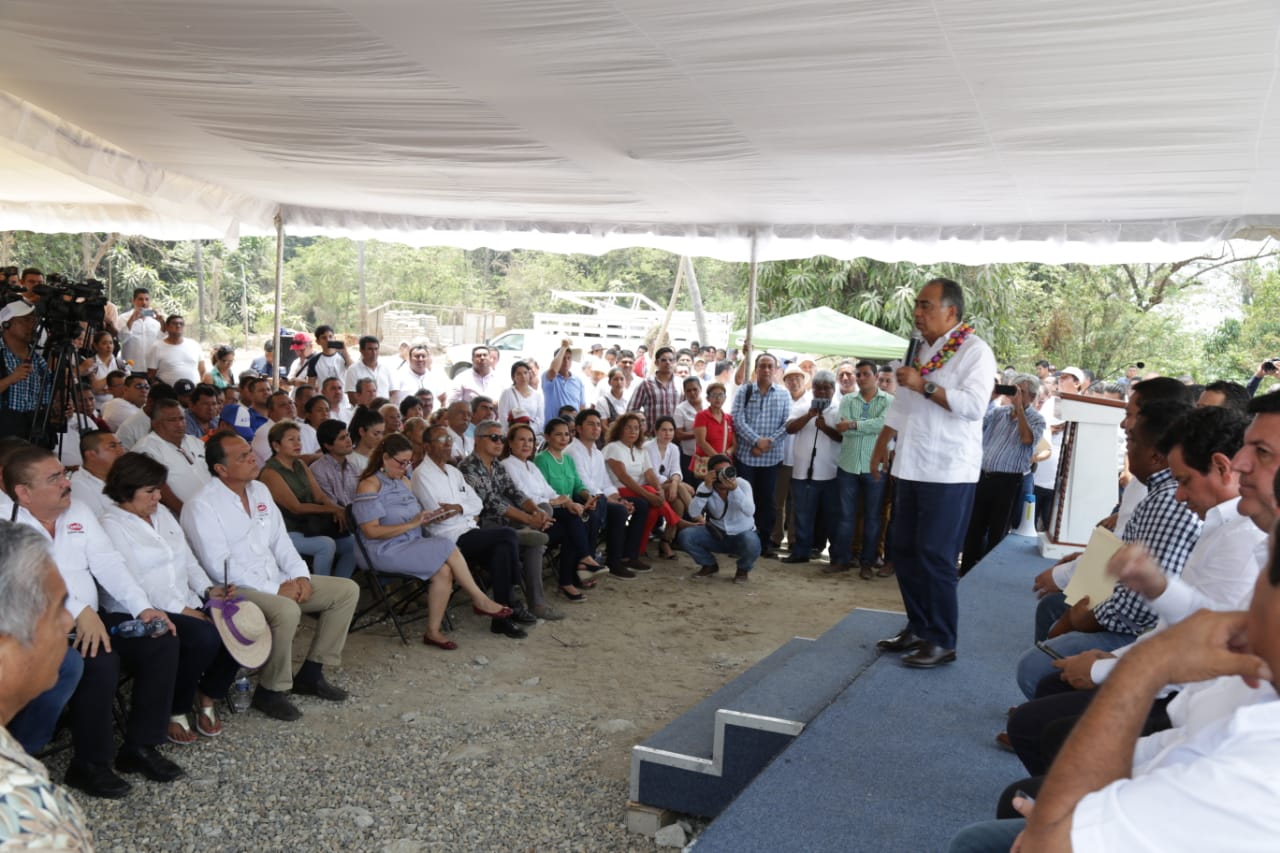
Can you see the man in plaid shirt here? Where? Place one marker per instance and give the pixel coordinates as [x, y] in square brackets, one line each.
[760, 412]
[1166, 527]
[659, 395]
[26, 384]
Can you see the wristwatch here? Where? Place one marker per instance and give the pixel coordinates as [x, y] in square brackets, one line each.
[929, 388]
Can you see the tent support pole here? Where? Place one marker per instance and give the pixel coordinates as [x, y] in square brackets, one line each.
[275, 337]
[751, 303]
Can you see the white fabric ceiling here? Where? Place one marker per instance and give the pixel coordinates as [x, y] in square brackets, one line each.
[965, 130]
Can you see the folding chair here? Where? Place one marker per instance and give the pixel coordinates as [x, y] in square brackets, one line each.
[393, 595]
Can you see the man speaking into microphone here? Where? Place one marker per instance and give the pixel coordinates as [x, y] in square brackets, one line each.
[936, 418]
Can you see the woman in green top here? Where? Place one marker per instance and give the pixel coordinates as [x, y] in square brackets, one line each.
[561, 474]
[317, 526]
[219, 375]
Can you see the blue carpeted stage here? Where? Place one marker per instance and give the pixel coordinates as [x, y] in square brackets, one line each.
[900, 758]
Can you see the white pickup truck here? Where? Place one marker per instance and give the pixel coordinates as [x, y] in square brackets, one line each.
[513, 345]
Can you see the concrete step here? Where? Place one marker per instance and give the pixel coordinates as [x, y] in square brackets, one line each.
[704, 758]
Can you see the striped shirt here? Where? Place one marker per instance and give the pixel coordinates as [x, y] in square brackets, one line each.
[758, 415]
[1169, 531]
[858, 442]
[1002, 449]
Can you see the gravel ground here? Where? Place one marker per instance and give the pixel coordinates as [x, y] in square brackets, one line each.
[513, 745]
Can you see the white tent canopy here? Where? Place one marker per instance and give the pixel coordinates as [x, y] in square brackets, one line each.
[963, 130]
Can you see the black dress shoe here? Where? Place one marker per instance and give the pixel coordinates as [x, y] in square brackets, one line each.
[523, 616]
[507, 628]
[148, 761]
[96, 780]
[275, 705]
[320, 688]
[928, 656]
[771, 553]
[903, 641]
[794, 558]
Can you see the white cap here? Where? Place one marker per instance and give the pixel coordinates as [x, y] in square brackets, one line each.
[1074, 371]
[16, 308]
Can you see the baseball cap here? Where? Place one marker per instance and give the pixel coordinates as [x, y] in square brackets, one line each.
[1074, 371]
[184, 386]
[300, 341]
[16, 308]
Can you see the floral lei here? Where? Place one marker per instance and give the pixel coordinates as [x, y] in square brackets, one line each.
[954, 340]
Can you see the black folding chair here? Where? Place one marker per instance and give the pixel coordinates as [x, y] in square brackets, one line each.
[393, 595]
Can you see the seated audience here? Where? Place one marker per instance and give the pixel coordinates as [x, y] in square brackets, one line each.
[239, 537]
[280, 409]
[390, 417]
[34, 812]
[610, 512]
[628, 466]
[567, 529]
[505, 505]
[415, 430]
[339, 408]
[367, 430]
[727, 508]
[391, 521]
[219, 374]
[664, 458]
[336, 473]
[439, 485]
[181, 454]
[87, 562]
[156, 553]
[317, 526]
[250, 412]
[131, 400]
[202, 417]
[411, 407]
[458, 419]
[99, 450]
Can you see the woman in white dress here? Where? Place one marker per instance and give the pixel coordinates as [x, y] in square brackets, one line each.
[521, 400]
[664, 460]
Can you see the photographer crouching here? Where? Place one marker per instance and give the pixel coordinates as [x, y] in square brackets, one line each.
[728, 510]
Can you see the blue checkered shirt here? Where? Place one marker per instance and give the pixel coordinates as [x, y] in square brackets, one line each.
[22, 396]
[1002, 449]
[1169, 531]
[759, 415]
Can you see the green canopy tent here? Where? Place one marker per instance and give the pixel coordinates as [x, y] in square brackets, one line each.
[825, 331]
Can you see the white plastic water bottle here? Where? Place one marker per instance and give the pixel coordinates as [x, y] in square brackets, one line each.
[241, 692]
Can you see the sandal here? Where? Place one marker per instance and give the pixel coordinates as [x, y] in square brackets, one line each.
[207, 722]
[180, 730]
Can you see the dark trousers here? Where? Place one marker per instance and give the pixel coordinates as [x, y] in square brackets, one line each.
[993, 501]
[497, 549]
[815, 501]
[154, 664]
[623, 538]
[570, 533]
[929, 523]
[1044, 508]
[34, 725]
[763, 480]
[203, 662]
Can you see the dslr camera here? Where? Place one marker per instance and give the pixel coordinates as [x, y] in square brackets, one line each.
[727, 474]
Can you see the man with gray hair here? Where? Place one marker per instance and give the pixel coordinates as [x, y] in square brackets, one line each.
[814, 449]
[34, 622]
[1009, 435]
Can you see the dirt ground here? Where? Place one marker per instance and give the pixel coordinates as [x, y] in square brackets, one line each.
[643, 650]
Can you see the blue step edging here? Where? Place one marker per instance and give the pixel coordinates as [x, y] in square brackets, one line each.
[752, 719]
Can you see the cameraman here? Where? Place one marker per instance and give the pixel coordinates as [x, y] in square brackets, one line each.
[728, 508]
[1267, 368]
[26, 384]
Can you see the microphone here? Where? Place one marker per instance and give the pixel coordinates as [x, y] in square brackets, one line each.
[913, 346]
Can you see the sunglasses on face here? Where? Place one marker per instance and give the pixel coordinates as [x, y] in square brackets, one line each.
[494, 437]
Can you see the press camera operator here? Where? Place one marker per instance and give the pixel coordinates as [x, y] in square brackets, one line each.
[26, 383]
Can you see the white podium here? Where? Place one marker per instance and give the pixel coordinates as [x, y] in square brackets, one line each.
[1086, 489]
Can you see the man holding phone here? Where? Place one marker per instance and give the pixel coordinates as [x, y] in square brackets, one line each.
[139, 332]
[1009, 435]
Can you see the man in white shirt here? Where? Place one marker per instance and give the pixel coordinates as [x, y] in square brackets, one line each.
[440, 486]
[368, 367]
[419, 375]
[98, 449]
[725, 503]
[37, 483]
[936, 419]
[332, 360]
[610, 514]
[478, 380]
[339, 408]
[169, 444]
[815, 448]
[238, 535]
[128, 404]
[280, 407]
[458, 419]
[139, 332]
[175, 357]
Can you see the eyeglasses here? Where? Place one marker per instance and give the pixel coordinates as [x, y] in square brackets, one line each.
[139, 386]
[494, 437]
[716, 395]
[401, 462]
[845, 375]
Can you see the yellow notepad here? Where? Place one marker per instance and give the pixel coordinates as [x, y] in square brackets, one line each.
[1090, 577]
